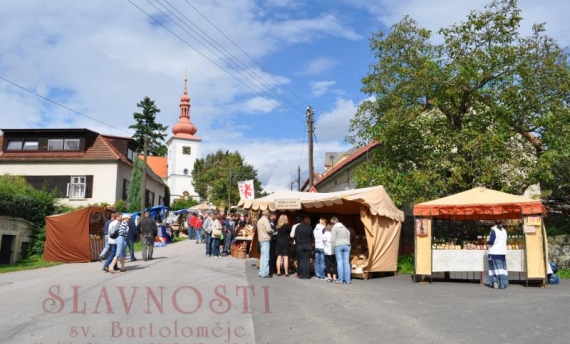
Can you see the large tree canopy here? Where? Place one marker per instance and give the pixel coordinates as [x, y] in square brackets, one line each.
[216, 177]
[146, 124]
[485, 107]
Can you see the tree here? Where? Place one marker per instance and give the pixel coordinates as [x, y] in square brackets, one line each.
[215, 178]
[146, 124]
[486, 107]
[134, 193]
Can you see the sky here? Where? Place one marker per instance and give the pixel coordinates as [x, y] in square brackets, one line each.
[253, 67]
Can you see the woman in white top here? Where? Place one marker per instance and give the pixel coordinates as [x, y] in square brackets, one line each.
[330, 259]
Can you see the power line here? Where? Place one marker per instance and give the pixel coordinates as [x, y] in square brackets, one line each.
[213, 62]
[245, 53]
[63, 106]
[232, 58]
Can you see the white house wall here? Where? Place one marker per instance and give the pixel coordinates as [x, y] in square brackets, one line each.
[104, 177]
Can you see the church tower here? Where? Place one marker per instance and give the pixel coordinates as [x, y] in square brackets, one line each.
[183, 150]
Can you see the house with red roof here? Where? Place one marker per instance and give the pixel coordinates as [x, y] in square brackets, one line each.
[85, 167]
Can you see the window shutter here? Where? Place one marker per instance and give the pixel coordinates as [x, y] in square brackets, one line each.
[89, 187]
[67, 194]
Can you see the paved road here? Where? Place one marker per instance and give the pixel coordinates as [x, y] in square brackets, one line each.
[184, 297]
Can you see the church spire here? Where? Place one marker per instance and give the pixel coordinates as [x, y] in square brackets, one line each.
[184, 128]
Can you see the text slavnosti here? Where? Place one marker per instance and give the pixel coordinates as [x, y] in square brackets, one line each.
[184, 299]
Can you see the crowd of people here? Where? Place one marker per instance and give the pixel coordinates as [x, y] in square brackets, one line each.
[120, 234]
[216, 231]
[330, 239]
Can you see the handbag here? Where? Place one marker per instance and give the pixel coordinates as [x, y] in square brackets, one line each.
[217, 232]
[114, 234]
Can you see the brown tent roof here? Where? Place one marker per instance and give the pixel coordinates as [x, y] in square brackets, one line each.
[480, 204]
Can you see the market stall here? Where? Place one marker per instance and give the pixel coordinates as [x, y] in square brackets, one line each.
[370, 213]
[461, 252]
[76, 237]
[242, 242]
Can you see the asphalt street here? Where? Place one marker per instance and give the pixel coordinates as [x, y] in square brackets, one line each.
[182, 296]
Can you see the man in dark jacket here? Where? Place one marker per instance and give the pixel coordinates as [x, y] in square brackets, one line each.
[132, 236]
[149, 231]
[303, 240]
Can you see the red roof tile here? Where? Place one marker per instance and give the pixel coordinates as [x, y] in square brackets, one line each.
[159, 164]
[358, 153]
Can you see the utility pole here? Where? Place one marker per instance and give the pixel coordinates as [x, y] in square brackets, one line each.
[310, 121]
[143, 177]
[298, 178]
[230, 190]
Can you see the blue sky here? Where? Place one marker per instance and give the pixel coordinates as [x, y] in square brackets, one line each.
[102, 57]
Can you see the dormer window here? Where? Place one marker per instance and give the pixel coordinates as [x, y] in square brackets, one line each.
[30, 145]
[61, 144]
[22, 145]
[15, 145]
[130, 154]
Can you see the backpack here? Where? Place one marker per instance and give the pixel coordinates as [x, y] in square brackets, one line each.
[114, 234]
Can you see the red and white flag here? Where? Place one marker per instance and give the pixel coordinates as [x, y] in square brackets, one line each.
[246, 189]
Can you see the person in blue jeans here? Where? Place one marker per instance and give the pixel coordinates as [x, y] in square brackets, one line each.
[208, 226]
[106, 233]
[340, 240]
[320, 249]
[264, 233]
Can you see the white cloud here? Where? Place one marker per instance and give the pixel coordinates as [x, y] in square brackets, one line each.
[318, 66]
[333, 125]
[321, 87]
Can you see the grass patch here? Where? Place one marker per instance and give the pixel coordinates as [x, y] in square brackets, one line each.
[563, 273]
[406, 264]
[29, 263]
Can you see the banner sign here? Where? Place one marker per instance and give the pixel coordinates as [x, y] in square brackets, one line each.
[288, 204]
[246, 189]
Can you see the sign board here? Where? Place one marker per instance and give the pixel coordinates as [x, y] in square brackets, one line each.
[288, 204]
[312, 189]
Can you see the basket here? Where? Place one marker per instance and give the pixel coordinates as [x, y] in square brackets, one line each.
[233, 253]
[240, 255]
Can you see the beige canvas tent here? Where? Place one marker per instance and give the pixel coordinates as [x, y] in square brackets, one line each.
[485, 204]
[372, 211]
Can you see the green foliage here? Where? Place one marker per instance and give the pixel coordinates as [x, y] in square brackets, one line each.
[20, 199]
[135, 194]
[146, 124]
[563, 273]
[219, 171]
[458, 114]
[182, 203]
[406, 264]
[120, 206]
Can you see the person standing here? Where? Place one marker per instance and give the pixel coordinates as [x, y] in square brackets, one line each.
[283, 248]
[264, 232]
[304, 238]
[498, 273]
[122, 243]
[272, 243]
[319, 249]
[229, 234]
[106, 233]
[330, 258]
[294, 254]
[208, 226]
[199, 222]
[132, 236]
[192, 221]
[149, 230]
[113, 226]
[340, 239]
[216, 235]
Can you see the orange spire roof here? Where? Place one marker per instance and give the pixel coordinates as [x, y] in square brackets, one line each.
[184, 128]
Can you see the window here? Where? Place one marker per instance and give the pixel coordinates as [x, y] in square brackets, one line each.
[55, 144]
[126, 184]
[71, 144]
[31, 145]
[61, 144]
[160, 200]
[150, 199]
[186, 150]
[77, 187]
[15, 145]
[130, 154]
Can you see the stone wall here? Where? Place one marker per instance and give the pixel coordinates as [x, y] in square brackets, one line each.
[21, 232]
[559, 250]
